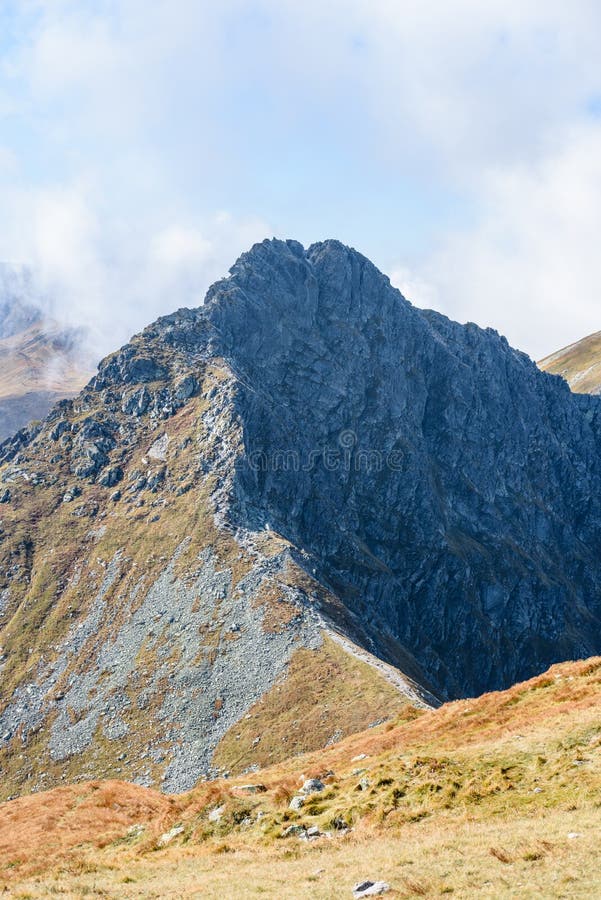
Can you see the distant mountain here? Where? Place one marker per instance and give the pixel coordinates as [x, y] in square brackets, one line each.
[279, 518]
[579, 364]
[40, 361]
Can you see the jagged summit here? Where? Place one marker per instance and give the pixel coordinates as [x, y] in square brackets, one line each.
[306, 502]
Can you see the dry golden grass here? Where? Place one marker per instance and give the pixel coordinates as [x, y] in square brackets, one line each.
[579, 364]
[453, 859]
[494, 797]
[42, 827]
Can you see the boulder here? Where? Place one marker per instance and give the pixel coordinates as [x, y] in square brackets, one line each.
[312, 786]
[370, 888]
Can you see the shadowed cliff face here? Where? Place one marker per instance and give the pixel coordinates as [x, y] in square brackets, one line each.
[442, 486]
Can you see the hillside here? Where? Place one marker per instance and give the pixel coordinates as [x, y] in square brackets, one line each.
[579, 364]
[39, 364]
[273, 521]
[493, 797]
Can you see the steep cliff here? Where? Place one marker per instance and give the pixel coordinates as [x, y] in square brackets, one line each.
[445, 489]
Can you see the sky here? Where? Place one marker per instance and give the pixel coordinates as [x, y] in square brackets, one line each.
[456, 143]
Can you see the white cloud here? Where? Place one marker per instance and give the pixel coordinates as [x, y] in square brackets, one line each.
[415, 288]
[132, 121]
[177, 245]
[87, 270]
[531, 266]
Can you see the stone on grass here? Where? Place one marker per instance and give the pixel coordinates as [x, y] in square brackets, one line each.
[216, 814]
[169, 835]
[370, 888]
[312, 786]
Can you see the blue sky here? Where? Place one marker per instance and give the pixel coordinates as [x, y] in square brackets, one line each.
[458, 144]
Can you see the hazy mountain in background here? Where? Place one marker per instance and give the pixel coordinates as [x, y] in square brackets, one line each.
[40, 360]
[579, 364]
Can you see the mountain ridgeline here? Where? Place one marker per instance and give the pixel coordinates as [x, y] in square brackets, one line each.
[305, 474]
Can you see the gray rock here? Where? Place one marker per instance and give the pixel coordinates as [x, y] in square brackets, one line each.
[430, 471]
[111, 476]
[370, 888]
[186, 388]
[216, 814]
[312, 786]
[158, 450]
[62, 426]
[170, 835]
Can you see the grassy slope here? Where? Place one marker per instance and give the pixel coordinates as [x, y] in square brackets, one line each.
[579, 364]
[477, 798]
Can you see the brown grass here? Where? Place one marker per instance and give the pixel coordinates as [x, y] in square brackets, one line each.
[579, 364]
[474, 799]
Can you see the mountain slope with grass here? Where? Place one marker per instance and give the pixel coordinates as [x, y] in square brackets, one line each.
[579, 364]
[275, 520]
[492, 797]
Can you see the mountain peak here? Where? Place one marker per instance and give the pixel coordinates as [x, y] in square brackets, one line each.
[304, 475]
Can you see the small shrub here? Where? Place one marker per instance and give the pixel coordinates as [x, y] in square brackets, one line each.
[500, 854]
[415, 887]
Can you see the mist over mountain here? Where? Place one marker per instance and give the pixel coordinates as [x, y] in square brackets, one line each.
[41, 360]
[17, 309]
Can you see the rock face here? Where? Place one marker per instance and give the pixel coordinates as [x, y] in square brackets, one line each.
[445, 489]
[305, 455]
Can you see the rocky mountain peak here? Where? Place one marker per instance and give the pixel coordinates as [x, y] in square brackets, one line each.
[304, 475]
